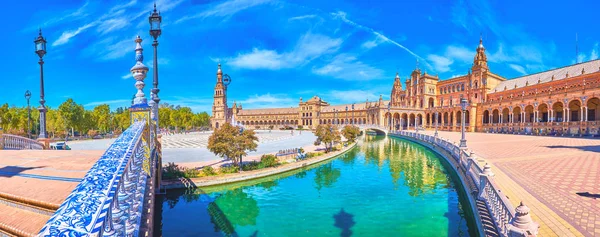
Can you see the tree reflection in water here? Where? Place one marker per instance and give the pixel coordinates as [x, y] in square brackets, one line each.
[422, 170]
[344, 221]
[326, 176]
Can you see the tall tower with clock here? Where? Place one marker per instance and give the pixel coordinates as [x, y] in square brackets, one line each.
[219, 109]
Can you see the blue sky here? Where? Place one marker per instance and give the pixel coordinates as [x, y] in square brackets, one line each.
[278, 51]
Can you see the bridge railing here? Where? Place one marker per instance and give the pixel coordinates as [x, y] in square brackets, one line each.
[14, 142]
[115, 195]
[508, 221]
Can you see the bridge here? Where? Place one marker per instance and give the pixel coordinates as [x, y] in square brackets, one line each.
[115, 197]
[375, 128]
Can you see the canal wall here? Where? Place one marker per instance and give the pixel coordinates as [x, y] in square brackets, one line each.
[472, 199]
[249, 175]
[496, 216]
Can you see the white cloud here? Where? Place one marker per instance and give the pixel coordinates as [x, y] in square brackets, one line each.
[67, 35]
[225, 9]
[296, 18]
[342, 15]
[372, 43]
[259, 59]
[460, 53]
[268, 101]
[354, 96]
[309, 47]
[127, 76]
[594, 54]
[441, 64]
[112, 25]
[452, 54]
[518, 68]
[347, 67]
[111, 48]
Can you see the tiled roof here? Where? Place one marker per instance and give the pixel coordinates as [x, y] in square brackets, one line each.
[558, 73]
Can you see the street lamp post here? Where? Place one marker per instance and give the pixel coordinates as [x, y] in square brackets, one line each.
[27, 97]
[155, 19]
[346, 122]
[463, 103]
[40, 50]
[436, 123]
[353, 113]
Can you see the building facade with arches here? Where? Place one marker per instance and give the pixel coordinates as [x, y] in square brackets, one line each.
[561, 101]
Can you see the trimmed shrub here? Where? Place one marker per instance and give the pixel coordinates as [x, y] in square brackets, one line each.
[228, 169]
[208, 171]
[172, 171]
[269, 160]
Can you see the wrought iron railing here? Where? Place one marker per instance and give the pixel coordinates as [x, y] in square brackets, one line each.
[114, 196]
[14, 142]
[508, 221]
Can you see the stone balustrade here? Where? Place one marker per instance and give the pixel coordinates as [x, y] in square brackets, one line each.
[508, 221]
[115, 197]
[14, 142]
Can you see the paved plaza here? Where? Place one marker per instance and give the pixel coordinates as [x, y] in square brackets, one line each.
[557, 177]
[45, 177]
[191, 147]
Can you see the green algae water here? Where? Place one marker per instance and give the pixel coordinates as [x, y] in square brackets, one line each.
[382, 187]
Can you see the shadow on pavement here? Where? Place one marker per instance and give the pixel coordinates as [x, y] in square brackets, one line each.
[589, 195]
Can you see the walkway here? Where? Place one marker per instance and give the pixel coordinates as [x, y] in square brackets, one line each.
[42, 178]
[558, 178]
[191, 147]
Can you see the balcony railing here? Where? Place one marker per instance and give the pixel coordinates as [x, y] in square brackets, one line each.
[13, 142]
[506, 219]
[114, 197]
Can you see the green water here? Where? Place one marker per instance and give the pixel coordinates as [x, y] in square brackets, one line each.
[383, 187]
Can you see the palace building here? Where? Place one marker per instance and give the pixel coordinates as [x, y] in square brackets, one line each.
[561, 101]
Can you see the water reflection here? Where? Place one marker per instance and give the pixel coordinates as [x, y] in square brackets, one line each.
[384, 187]
[326, 176]
[422, 172]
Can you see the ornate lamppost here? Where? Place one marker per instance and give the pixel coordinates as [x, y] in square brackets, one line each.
[40, 50]
[27, 97]
[463, 104]
[346, 123]
[353, 113]
[155, 19]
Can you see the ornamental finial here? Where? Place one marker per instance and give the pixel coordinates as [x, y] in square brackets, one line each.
[139, 71]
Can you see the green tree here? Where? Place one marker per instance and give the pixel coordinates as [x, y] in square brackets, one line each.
[71, 114]
[227, 142]
[350, 132]
[102, 117]
[327, 134]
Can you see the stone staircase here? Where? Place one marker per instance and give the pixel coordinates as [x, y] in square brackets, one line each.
[21, 216]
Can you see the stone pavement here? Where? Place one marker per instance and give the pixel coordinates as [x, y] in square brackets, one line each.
[34, 183]
[557, 177]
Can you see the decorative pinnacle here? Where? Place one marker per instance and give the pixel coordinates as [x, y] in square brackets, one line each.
[139, 71]
[154, 6]
[40, 31]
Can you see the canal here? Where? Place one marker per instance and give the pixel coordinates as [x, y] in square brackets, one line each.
[382, 187]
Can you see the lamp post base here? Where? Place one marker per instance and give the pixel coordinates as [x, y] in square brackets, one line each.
[463, 144]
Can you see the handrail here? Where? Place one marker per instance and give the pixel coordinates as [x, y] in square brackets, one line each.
[507, 220]
[14, 142]
[110, 198]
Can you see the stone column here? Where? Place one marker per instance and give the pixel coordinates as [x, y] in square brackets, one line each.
[522, 225]
[483, 179]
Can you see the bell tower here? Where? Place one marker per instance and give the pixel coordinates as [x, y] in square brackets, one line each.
[219, 108]
[480, 60]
